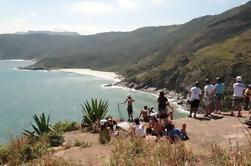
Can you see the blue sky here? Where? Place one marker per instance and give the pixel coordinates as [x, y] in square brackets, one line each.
[94, 16]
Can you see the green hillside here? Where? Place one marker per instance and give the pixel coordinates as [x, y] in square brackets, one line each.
[167, 56]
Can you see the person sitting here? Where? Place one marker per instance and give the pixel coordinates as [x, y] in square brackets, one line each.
[144, 113]
[155, 128]
[138, 129]
[111, 124]
[176, 134]
[153, 113]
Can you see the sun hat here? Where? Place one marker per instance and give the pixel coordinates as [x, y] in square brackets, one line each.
[238, 78]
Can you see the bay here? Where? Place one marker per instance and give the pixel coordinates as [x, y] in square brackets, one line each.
[60, 94]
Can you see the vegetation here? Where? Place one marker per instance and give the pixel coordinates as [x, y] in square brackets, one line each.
[219, 156]
[42, 126]
[143, 152]
[66, 126]
[93, 112]
[104, 136]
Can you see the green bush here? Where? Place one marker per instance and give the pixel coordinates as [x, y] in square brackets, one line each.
[42, 126]
[93, 112]
[65, 126]
[55, 138]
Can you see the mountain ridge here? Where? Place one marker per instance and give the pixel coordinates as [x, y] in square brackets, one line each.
[163, 56]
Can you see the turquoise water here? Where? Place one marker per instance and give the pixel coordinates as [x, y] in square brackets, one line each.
[60, 94]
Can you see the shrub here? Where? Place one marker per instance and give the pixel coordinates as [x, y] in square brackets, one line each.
[82, 144]
[104, 136]
[42, 126]
[55, 138]
[65, 126]
[93, 112]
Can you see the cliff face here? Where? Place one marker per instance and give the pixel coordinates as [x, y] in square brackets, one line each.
[168, 56]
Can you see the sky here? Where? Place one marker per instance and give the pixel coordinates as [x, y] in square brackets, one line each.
[95, 16]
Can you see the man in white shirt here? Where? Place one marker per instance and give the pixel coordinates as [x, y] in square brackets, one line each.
[208, 95]
[195, 95]
[238, 96]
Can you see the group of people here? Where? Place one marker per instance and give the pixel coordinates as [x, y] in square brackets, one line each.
[163, 109]
[215, 93]
[159, 123]
[157, 129]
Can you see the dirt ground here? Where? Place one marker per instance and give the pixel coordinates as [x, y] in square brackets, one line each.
[225, 130]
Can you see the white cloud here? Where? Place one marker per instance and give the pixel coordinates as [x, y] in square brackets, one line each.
[157, 2]
[11, 25]
[89, 7]
[33, 14]
[128, 4]
[217, 1]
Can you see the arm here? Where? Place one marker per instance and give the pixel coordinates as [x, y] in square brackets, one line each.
[124, 102]
[140, 114]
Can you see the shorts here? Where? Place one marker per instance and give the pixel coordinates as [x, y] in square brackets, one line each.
[161, 109]
[237, 101]
[163, 115]
[207, 100]
[129, 109]
[219, 97]
[195, 103]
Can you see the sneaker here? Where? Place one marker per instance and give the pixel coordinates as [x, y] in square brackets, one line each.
[190, 116]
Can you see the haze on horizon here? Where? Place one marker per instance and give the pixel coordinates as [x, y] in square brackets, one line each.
[95, 16]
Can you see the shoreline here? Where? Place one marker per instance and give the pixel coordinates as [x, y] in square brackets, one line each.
[119, 81]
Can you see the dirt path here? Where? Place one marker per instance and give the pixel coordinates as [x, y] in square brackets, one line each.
[226, 131]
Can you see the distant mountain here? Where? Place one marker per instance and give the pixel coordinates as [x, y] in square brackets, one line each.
[48, 33]
[167, 56]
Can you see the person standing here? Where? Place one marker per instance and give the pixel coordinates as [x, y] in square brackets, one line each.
[219, 90]
[208, 95]
[238, 96]
[129, 101]
[162, 105]
[195, 95]
[247, 97]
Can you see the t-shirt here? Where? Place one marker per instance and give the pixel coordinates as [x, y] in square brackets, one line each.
[208, 89]
[219, 88]
[195, 93]
[139, 131]
[238, 89]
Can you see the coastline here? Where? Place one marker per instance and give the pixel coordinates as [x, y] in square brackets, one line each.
[177, 99]
[101, 74]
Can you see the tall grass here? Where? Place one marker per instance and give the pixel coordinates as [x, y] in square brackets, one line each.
[149, 153]
[219, 156]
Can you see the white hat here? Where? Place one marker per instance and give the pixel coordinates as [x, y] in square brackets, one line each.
[238, 78]
[128, 95]
[103, 121]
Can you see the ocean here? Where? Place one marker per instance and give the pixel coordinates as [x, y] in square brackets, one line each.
[58, 93]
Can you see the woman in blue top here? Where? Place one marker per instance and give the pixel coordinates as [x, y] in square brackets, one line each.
[219, 89]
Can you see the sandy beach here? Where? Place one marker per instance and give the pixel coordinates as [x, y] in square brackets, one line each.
[100, 74]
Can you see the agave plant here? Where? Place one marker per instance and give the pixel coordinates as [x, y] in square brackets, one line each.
[93, 111]
[42, 126]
